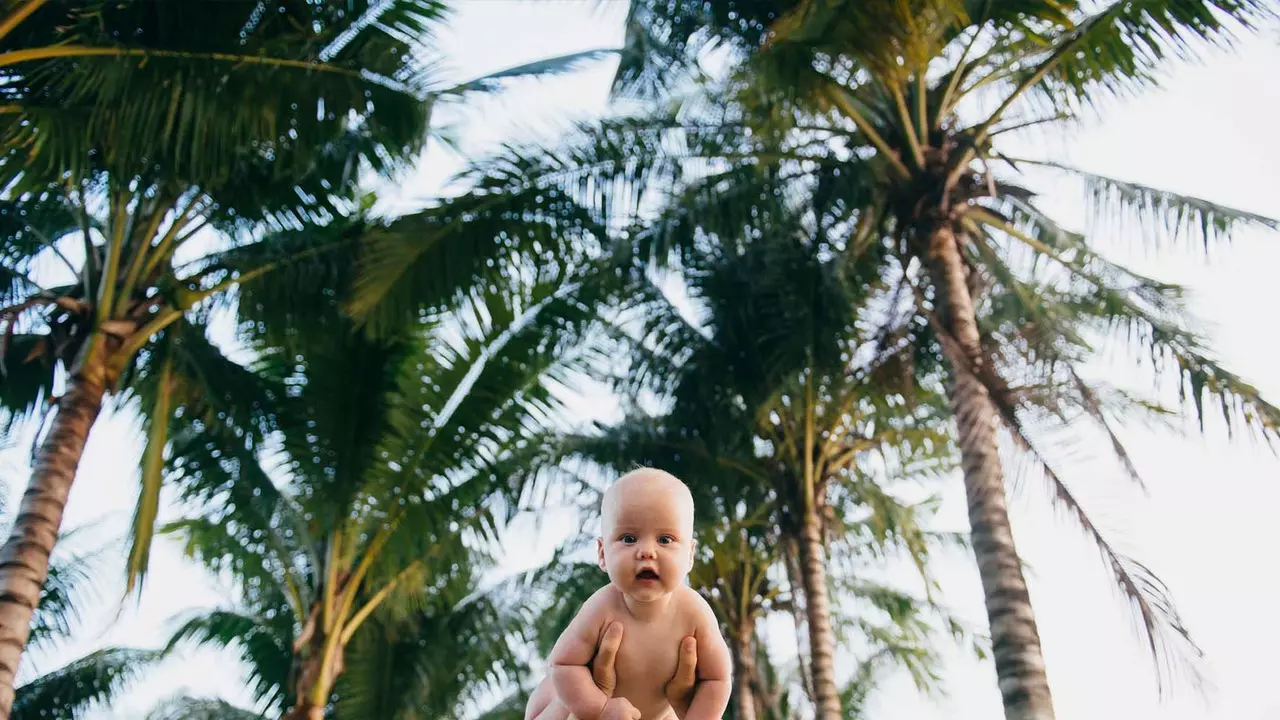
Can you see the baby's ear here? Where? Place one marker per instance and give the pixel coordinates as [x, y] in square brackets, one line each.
[600, 554]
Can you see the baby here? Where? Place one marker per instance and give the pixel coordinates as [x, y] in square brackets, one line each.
[647, 549]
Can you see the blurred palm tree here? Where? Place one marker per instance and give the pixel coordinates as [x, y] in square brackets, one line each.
[787, 450]
[359, 567]
[882, 122]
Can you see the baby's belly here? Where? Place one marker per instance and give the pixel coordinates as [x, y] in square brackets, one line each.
[643, 670]
[651, 704]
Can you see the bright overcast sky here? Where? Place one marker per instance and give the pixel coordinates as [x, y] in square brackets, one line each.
[1207, 528]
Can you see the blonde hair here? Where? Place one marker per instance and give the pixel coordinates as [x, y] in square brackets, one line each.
[641, 473]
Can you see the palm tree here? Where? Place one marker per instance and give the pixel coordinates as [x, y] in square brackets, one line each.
[761, 368]
[356, 572]
[117, 203]
[231, 146]
[884, 118]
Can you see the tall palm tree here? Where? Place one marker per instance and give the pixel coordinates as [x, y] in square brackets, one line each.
[117, 199]
[357, 565]
[886, 117]
[99, 156]
[764, 410]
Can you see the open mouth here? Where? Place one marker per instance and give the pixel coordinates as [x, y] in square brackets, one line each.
[647, 575]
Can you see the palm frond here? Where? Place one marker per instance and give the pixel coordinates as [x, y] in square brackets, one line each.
[1169, 641]
[65, 594]
[179, 91]
[259, 642]
[1125, 208]
[26, 386]
[539, 68]
[193, 708]
[1123, 47]
[425, 262]
[72, 690]
[432, 665]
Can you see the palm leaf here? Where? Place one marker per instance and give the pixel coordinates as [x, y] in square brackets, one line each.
[27, 382]
[538, 68]
[186, 379]
[191, 708]
[258, 641]
[1129, 208]
[431, 666]
[1123, 47]
[73, 689]
[427, 260]
[166, 93]
[66, 592]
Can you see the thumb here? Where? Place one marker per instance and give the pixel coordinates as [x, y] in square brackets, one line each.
[607, 652]
[686, 670]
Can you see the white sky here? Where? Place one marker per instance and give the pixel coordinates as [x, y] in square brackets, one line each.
[1207, 528]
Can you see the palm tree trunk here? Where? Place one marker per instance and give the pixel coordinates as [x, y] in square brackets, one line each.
[1024, 685]
[822, 639]
[24, 559]
[791, 554]
[745, 673]
[315, 678]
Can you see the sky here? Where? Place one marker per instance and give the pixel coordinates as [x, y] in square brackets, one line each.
[1205, 527]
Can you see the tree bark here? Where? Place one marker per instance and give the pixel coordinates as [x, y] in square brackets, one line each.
[24, 559]
[313, 679]
[822, 639]
[745, 673]
[1020, 668]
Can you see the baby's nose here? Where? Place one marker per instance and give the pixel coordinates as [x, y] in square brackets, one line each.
[645, 551]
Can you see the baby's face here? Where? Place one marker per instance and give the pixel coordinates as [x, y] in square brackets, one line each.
[647, 546]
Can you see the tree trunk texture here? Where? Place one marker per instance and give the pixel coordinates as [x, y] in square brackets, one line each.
[312, 678]
[822, 639]
[1024, 685]
[745, 673]
[24, 559]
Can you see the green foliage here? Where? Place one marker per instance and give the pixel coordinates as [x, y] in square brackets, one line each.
[87, 682]
[191, 708]
[387, 471]
[140, 83]
[264, 644]
[868, 124]
[71, 690]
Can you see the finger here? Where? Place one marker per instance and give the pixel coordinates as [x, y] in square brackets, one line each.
[607, 652]
[686, 669]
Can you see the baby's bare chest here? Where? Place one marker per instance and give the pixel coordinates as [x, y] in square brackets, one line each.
[647, 660]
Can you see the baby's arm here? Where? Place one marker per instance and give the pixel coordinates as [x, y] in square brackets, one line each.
[570, 656]
[715, 666]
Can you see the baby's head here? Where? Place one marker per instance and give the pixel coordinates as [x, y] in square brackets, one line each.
[646, 542]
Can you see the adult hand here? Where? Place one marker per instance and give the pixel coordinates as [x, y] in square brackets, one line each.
[602, 670]
[619, 709]
[679, 689]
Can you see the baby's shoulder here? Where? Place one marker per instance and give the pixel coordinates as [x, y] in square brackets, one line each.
[604, 599]
[691, 604]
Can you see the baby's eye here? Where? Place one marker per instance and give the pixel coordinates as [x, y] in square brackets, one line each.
[666, 539]
[628, 539]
